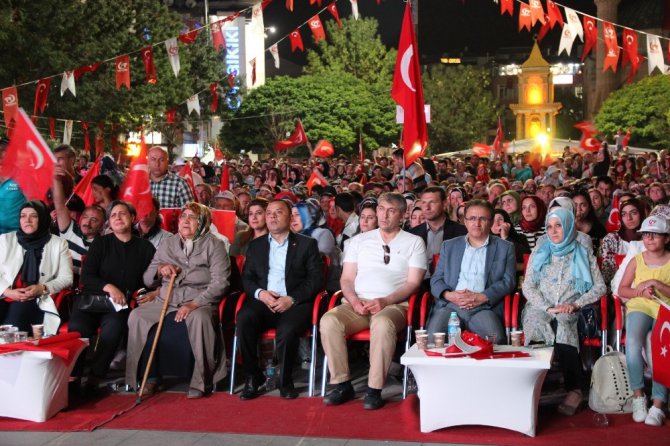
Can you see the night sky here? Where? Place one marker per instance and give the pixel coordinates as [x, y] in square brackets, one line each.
[446, 27]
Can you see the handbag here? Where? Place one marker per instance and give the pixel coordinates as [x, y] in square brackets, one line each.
[610, 387]
[94, 303]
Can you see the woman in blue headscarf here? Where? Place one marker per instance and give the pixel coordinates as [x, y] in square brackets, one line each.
[562, 277]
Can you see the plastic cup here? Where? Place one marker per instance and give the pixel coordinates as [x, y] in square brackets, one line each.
[439, 339]
[515, 337]
[492, 338]
[21, 336]
[38, 331]
[422, 341]
[600, 420]
[418, 333]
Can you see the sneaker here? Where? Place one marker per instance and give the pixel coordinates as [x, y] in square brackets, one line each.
[639, 409]
[655, 417]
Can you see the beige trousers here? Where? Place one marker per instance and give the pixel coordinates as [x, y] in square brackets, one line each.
[384, 326]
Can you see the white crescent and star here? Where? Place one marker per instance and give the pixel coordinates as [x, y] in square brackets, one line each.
[664, 327]
[39, 156]
[404, 67]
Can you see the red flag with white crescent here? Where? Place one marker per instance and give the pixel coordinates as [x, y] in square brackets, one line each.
[171, 116]
[149, 68]
[626, 137]
[187, 174]
[79, 72]
[218, 39]
[311, 2]
[218, 154]
[536, 12]
[314, 179]
[100, 140]
[28, 160]
[480, 149]
[507, 6]
[407, 91]
[297, 138]
[524, 16]
[87, 142]
[84, 188]
[42, 95]
[590, 36]
[613, 223]
[296, 41]
[554, 14]
[660, 346]
[10, 106]
[225, 178]
[122, 64]
[611, 47]
[188, 37]
[136, 188]
[214, 89]
[589, 142]
[630, 54]
[333, 10]
[323, 149]
[317, 28]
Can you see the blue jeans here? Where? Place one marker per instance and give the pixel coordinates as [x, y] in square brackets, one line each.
[638, 325]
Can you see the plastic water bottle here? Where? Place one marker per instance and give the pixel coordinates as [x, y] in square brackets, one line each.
[453, 328]
[271, 375]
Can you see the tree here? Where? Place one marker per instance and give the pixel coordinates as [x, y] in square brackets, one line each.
[643, 106]
[40, 39]
[356, 49]
[462, 106]
[335, 108]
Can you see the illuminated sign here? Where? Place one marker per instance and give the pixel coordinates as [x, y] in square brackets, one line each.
[563, 79]
[232, 34]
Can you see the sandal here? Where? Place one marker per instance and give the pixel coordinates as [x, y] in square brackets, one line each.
[573, 400]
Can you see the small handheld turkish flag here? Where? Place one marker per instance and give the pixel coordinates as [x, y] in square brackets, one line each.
[136, 188]
[323, 149]
[187, 174]
[614, 220]
[314, 179]
[297, 138]
[588, 142]
[660, 346]
[84, 189]
[28, 160]
[225, 178]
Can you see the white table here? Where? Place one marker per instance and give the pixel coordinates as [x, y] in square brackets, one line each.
[33, 384]
[492, 392]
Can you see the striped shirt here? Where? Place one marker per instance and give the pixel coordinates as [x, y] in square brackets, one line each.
[77, 244]
[530, 236]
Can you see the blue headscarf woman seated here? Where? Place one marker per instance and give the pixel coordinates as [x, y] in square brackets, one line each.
[562, 277]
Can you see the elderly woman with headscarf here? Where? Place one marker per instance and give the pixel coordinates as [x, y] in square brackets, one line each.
[201, 265]
[531, 223]
[33, 264]
[562, 276]
[307, 219]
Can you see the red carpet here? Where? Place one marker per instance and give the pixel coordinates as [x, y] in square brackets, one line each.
[84, 417]
[397, 421]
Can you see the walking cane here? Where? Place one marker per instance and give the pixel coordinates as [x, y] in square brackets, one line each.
[158, 333]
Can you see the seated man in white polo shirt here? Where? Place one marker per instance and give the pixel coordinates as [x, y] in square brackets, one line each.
[381, 269]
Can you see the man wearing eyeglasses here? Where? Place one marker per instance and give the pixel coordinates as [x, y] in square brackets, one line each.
[382, 267]
[472, 277]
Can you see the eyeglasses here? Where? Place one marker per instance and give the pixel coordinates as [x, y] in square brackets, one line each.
[479, 219]
[387, 254]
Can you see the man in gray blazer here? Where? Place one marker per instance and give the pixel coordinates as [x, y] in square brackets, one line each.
[472, 277]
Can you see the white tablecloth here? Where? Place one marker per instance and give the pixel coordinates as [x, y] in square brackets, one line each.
[492, 392]
[33, 384]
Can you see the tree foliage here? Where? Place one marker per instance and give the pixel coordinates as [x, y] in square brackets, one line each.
[462, 106]
[46, 37]
[644, 106]
[332, 107]
[356, 49]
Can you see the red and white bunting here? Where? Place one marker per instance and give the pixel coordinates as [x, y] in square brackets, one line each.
[79, 72]
[611, 47]
[149, 68]
[554, 14]
[189, 37]
[67, 131]
[655, 54]
[567, 39]
[122, 64]
[67, 83]
[214, 89]
[171, 116]
[630, 54]
[252, 65]
[311, 2]
[100, 140]
[536, 12]
[218, 39]
[52, 128]
[42, 94]
[296, 41]
[336, 15]
[590, 36]
[317, 28]
[574, 22]
[10, 105]
[87, 142]
[193, 104]
[274, 50]
[507, 6]
[354, 9]
[524, 16]
[172, 48]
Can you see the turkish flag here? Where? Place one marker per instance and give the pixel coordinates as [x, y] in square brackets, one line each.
[407, 91]
[171, 116]
[333, 10]
[41, 95]
[507, 6]
[28, 160]
[317, 28]
[315, 178]
[10, 106]
[630, 53]
[52, 128]
[87, 142]
[298, 137]
[611, 47]
[218, 154]
[536, 12]
[588, 141]
[626, 137]
[524, 16]
[498, 145]
[323, 149]
[170, 219]
[554, 14]
[296, 41]
[590, 35]
[225, 179]
[614, 220]
[100, 140]
[84, 189]
[480, 149]
[78, 72]
[136, 188]
[660, 346]
[224, 222]
[218, 39]
[122, 71]
[189, 37]
[148, 59]
[186, 173]
[214, 89]
[311, 2]
[289, 5]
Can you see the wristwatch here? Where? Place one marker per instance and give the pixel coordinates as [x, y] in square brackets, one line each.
[293, 302]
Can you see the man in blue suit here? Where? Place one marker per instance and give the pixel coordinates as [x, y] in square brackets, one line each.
[473, 275]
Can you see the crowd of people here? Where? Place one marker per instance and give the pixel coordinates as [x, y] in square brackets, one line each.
[465, 228]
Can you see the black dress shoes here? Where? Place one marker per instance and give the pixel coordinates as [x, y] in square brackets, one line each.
[339, 395]
[253, 387]
[288, 393]
[373, 401]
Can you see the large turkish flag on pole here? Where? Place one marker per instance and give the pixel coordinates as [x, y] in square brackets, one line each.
[660, 346]
[407, 91]
[28, 159]
[136, 188]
